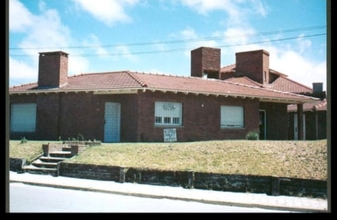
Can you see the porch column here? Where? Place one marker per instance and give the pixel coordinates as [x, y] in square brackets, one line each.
[300, 121]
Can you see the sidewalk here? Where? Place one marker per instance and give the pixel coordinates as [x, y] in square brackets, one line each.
[285, 203]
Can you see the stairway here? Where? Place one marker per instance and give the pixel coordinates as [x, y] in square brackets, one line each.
[48, 164]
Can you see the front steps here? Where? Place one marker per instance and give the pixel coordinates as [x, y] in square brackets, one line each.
[48, 164]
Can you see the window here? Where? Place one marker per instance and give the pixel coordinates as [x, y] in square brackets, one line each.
[23, 117]
[232, 117]
[168, 113]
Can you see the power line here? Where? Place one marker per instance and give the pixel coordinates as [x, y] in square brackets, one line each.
[185, 49]
[181, 41]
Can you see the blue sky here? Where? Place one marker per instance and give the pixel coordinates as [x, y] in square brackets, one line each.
[156, 36]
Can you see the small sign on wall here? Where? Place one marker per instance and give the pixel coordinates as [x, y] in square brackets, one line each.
[170, 135]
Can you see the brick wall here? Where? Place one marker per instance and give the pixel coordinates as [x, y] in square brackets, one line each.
[47, 116]
[253, 64]
[53, 69]
[201, 117]
[198, 180]
[68, 115]
[277, 120]
[205, 60]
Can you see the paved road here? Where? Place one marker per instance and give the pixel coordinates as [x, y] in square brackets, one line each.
[25, 198]
[284, 203]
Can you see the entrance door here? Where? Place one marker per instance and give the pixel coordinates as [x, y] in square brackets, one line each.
[262, 125]
[112, 122]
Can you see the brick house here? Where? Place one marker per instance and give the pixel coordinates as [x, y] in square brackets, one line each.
[213, 103]
[314, 121]
[314, 114]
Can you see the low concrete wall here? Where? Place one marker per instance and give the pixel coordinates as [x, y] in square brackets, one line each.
[190, 179]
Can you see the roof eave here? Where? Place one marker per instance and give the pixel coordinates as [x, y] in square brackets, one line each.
[94, 91]
[296, 100]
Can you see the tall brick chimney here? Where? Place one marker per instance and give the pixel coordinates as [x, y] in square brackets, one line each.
[205, 61]
[53, 69]
[254, 65]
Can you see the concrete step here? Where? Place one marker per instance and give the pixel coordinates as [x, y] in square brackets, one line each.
[62, 154]
[52, 159]
[42, 164]
[67, 149]
[38, 170]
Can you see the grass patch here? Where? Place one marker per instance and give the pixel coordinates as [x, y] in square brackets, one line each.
[297, 159]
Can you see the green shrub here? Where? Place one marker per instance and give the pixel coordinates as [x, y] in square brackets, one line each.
[23, 140]
[252, 135]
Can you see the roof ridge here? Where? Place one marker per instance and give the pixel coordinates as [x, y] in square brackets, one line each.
[252, 81]
[133, 76]
[286, 78]
[278, 73]
[268, 89]
[24, 84]
[228, 65]
[94, 73]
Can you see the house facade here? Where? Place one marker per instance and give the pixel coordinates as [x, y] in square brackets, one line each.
[310, 118]
[314, 121]
[125, 106]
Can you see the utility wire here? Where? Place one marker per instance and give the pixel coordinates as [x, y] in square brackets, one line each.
[180, 41]
[187, 49]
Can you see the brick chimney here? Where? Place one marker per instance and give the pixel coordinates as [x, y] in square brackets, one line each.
[205, 62]
[317, 90]
[254, 65]
[53, 69]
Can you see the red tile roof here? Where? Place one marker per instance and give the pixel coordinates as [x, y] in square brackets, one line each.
[285, 84]
[244, 80]
[126, 80]
[282, 83]
[228, 69]
[318, 106]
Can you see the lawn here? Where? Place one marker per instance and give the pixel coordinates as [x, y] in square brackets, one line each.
[298, 159]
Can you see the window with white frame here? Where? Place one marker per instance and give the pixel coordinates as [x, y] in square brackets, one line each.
[232, 116]
[23, 117]
[168, 113]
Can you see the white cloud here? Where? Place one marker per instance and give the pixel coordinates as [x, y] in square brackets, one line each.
[303, 44]
[99, 50]
[190, 35]
[237, 10]
[45, 32]
[21, 72]
[19, 17]
[77, 65]
[107, 11]
[298, 68]
[123, 51]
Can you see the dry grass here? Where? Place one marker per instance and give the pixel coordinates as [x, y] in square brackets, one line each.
[299, 159]
[28, 151]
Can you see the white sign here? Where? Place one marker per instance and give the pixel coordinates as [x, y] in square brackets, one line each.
[170, 135]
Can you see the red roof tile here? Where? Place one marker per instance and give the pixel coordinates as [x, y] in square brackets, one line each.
[228, 69]
[134, 80]
[285, 84]
[318, 106]
[282, 83]
[244, 80]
